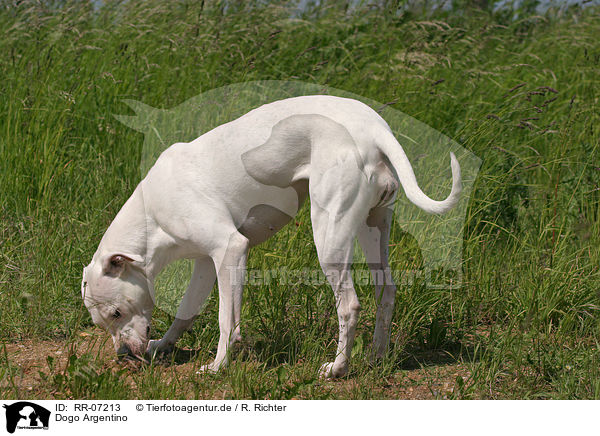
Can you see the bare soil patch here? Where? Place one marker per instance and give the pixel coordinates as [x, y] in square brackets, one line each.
[28, 361]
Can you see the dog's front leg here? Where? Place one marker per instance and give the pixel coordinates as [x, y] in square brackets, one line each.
[230, 262]
[203, 279]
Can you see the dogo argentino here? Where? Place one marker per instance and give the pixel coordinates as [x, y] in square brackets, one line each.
[232, 188]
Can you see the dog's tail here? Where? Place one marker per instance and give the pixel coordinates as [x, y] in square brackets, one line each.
[389, 146]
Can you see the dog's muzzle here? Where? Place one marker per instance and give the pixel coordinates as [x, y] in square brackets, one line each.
[124, 352]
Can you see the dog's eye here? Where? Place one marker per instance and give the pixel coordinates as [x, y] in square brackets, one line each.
[116, 314]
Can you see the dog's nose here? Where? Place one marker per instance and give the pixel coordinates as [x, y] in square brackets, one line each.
[124, 352]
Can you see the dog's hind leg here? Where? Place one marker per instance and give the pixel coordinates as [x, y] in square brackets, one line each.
[337, 211]
[374, 238]
[203, 279]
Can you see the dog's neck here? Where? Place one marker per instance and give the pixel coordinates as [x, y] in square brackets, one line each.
[133, 232]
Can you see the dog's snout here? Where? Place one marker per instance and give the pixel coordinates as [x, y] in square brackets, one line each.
[124, 352]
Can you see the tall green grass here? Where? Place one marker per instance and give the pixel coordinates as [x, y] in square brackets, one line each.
[521, 95]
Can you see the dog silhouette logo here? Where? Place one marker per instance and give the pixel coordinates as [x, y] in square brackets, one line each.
[26, 415]
[439, 238]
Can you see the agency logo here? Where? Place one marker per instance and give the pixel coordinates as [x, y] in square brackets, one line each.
[26, 415]
[439, 237]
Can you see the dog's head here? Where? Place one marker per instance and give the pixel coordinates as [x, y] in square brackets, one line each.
[115, 291]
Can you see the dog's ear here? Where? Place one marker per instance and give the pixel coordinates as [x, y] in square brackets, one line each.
[114, 264]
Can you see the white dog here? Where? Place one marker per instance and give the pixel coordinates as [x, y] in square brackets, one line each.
[237, 185]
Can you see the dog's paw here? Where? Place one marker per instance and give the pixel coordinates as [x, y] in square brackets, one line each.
[156, 347]
[329, 370]
[326, 370]
[208, 369]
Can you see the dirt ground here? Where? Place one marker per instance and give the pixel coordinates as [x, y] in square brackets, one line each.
[28, 359]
